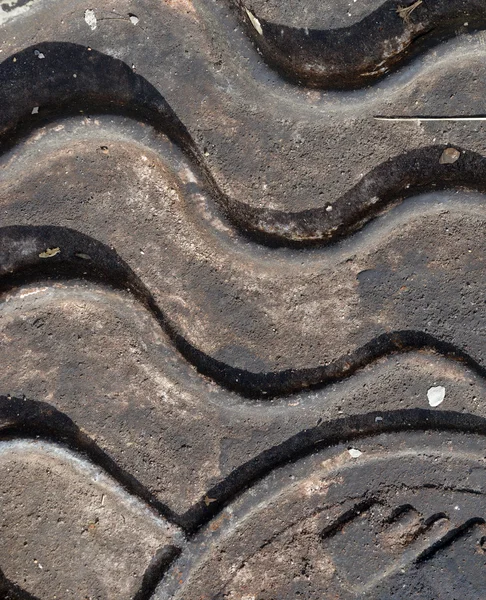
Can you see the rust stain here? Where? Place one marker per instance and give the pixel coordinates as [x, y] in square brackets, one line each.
[216, 524]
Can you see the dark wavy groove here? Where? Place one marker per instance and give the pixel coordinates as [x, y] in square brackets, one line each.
[322, 436]
[106, 85]
[386, 186]
[353, 57]
[82, 257]
[156, 571]
[10, 591]
[29, 419]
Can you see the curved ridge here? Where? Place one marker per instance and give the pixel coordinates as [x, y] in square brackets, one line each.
[354, 56]
[29, 83]
[22, 259]
[24, 418]
[325, 435]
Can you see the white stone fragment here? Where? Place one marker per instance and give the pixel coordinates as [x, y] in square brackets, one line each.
[436, 395]
[354, 452]
[90, 18]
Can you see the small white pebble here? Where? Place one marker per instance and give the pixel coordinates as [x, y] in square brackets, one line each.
[134, 19]
[354, 452]
[328, 208]
[35, 110]
[436, 395]
[378, 419]
[90, 18]
[39, 54]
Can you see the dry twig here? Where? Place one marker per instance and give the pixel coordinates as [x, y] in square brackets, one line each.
[404, 12]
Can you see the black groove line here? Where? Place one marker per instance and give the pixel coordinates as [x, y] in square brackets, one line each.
[11, 591]
[21, 418]
[156, 570]
[106, 85]
[398, 342]
[353, 57]
[326, 435]
[104, 266]
[449, 538]
[335, 527]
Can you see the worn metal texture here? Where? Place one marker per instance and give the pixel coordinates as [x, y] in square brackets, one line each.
[242, 301]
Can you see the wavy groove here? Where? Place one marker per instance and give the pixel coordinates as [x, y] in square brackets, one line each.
[11, 591]
[23, 418]
[28, 419]
[29, 82]
[352, 57]
[85, 258]
[325, 435]
[382, 188]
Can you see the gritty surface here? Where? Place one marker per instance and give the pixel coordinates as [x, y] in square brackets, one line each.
[234, 292]
[373, 525]
[79, 534]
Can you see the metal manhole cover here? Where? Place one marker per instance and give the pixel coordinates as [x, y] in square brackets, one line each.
[241, 299]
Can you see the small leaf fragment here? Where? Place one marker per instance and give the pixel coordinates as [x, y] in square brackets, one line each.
[50, 252]
[404, 12]
[83, 255]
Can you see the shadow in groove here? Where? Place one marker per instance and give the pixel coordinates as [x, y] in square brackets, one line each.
[10, 591]
[22, 418]
[105, 85]
[20, 263]
[353, 57]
